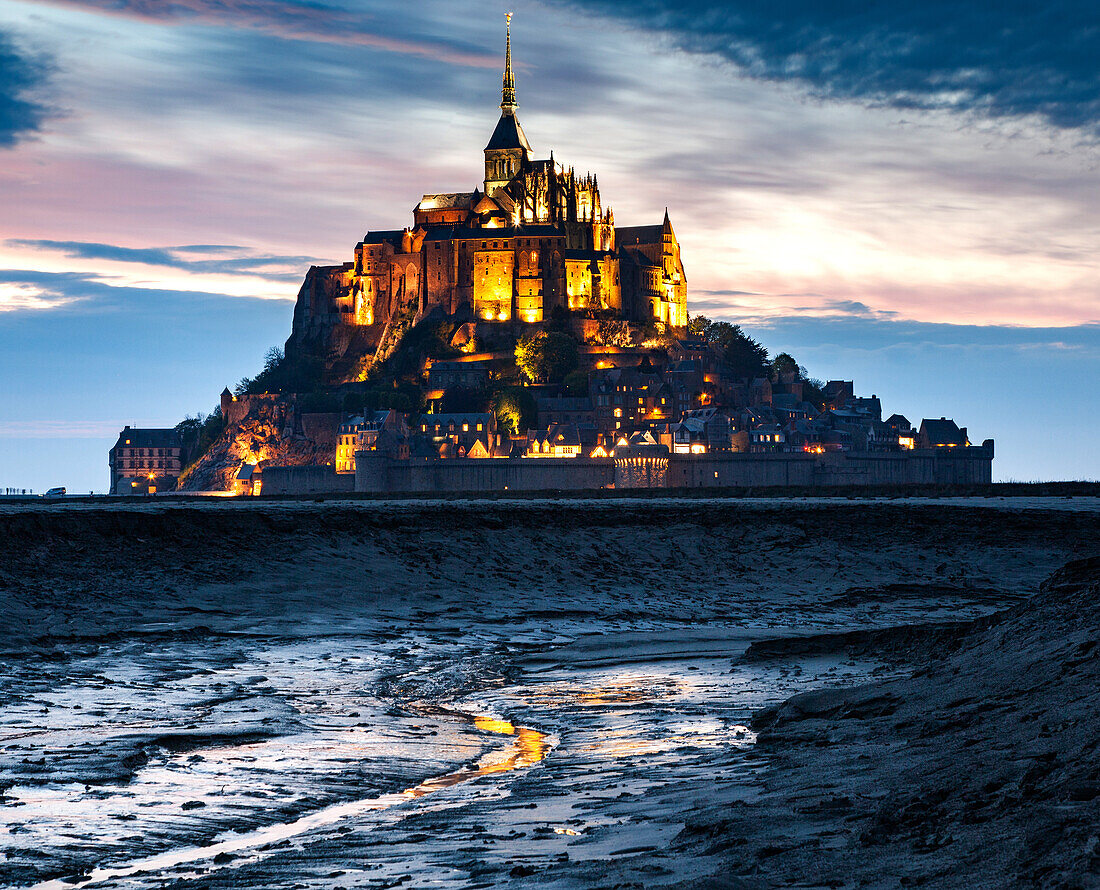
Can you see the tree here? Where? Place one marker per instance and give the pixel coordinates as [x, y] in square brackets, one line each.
[576, 383]
[515, 409]
[744, 355]
[546, 357]
[784, 363]
[462, 400]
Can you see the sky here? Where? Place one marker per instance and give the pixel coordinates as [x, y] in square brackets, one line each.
[903, 195]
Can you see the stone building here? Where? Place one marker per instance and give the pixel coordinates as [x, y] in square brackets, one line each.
[144, 461]
[534, 238]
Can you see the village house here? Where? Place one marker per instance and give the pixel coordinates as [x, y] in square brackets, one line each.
[565, 409]
[361, 433]
[942, 433]
[456, 435]
[558, 440]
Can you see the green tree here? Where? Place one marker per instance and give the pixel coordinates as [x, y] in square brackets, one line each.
[744, 355]
[576, 383]
[784, 363]
[546, 357]
[515, 409]
[462, 400]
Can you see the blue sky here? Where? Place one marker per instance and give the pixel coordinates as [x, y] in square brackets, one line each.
[901, 196]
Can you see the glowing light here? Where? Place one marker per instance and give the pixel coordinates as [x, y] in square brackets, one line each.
[489, 724]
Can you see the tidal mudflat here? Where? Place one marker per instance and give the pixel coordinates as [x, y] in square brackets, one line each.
[465, 694]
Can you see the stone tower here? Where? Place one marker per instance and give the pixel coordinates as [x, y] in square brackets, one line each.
[508, 149]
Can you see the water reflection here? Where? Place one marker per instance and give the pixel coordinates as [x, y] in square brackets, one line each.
[528, 748]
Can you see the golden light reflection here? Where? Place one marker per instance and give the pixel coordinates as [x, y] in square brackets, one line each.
[530, 747]
[488, 724]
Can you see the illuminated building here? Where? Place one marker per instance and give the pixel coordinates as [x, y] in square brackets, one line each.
[145, 461]
[533, 238]
[558, 440]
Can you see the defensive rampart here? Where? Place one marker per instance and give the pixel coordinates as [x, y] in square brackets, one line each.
[305, 480]
[379, 474]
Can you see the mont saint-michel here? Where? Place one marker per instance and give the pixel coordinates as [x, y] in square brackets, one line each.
[541, 545]
[515, 337]
[533, 239]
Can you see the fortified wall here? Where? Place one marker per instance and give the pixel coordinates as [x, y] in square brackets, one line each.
[375, 473]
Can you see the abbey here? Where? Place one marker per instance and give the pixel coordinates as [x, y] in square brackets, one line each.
[534, 238]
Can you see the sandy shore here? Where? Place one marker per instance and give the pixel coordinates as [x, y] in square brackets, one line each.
[633, 635]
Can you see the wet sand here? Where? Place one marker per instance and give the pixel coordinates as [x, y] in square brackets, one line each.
[179, 676]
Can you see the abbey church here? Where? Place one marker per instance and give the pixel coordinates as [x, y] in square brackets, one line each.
[534, 238]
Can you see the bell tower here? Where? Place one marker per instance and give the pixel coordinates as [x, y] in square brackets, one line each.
[508, 148]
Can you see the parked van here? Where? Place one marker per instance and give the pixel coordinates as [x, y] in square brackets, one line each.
[55, 493]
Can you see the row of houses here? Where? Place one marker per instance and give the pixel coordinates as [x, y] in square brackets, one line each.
[697, 431]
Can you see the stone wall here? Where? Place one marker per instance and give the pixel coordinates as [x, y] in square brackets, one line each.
[374, 473]
[970, 466]
[966, 466]
[305, 480]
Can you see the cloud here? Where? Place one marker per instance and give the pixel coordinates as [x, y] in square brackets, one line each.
[83, 293]
[995, 59]
[302, 21]
[25, 295]
[20, 74]
[258, 265]
[59, 429]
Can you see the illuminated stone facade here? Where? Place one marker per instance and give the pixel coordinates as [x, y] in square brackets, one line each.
[534, 237]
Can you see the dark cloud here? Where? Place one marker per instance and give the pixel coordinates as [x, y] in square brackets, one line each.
[259, 265]
[20, 74]
[999, 59]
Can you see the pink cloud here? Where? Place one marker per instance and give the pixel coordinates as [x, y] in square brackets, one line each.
[280, 18]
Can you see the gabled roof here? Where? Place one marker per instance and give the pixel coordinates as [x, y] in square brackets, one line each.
[942, 432]
[487, 205]
[627, 235]
[557, 434]
[631, 254]
[508, 134]
[445, 201]
[379, 237]
[131, 437]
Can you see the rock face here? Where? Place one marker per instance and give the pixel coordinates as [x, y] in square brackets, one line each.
[263, 430]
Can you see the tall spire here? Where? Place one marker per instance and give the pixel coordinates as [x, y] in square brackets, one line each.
[508, 103]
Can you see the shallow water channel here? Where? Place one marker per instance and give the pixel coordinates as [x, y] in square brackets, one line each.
[370, 755]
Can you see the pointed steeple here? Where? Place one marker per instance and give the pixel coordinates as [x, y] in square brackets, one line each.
[508, 103]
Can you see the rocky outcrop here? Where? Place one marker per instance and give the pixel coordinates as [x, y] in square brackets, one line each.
[265, 431]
